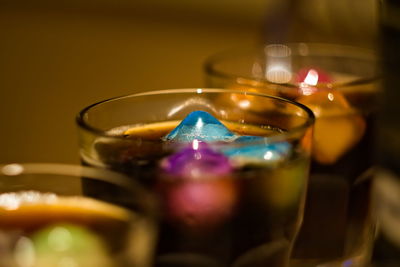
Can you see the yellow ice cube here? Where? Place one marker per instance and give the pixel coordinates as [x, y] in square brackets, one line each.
[249, 102]
[338, 127]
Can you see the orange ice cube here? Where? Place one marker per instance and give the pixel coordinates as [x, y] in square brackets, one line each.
[249, 102]
[338, 127]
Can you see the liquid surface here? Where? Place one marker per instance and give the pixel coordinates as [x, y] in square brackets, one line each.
[155, 131]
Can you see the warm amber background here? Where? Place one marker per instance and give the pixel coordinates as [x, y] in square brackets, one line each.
[57, 57]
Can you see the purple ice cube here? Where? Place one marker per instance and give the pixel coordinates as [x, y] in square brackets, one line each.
[196, 160]
[199, 191]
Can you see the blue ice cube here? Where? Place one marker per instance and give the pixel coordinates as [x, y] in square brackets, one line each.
[255, 150]
[202, 126]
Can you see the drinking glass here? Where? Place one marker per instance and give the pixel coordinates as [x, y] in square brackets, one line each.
[231, 178]
[340, 85]
[47, 220]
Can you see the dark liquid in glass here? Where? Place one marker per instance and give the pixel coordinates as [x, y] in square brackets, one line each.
[338, 223]
[246, 218]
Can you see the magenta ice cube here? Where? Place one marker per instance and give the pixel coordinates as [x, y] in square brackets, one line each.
[195, 161]
[198, 188]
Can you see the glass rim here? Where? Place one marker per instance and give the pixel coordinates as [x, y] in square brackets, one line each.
[309, 121]
[209, 64]
[81, 172]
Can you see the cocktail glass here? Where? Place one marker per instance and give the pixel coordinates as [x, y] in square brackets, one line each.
[340, 85]
[47, 220]
[231, 179]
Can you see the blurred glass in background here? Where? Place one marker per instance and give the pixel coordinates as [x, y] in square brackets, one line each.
[350, 22]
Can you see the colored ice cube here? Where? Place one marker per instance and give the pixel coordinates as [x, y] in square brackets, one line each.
[63, 245]
[200, 204]
[313, 76]
[253, 150]
[309, 81]
[197, 160]
[249, 102]
[338, 126]
[202, 126]
[198, 188]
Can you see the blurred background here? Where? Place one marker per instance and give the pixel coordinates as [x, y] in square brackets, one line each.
[60, 56]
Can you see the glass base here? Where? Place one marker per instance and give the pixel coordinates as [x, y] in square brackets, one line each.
[361, 259]
[338, 227]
